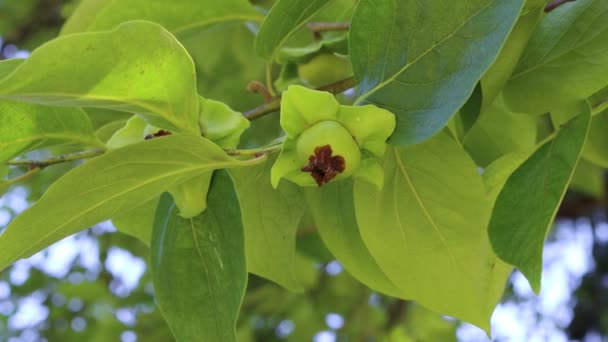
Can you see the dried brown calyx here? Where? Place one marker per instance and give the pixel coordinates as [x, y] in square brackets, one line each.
[160, 133]
[322, 166]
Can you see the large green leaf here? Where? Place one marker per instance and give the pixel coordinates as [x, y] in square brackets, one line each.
[198, 265]
[270, 218]
[427, 230]
[566, 59]
[525, 208]
[26, 127]
[105, 186]
[177, 16]
[499, 131]
[334, 214]
[422, 59]
[501, 70]
[139, 68]
[284, 18]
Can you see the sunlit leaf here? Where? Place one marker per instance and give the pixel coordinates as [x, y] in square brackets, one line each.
[103, 187]
[139, 68]
[427, 230]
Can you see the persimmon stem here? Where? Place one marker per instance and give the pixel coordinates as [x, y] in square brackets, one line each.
[31, 172]
[275, 104]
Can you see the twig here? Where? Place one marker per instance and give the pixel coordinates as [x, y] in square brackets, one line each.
[275, 104]
[31, 172]
[327, 27]
[258, 88]
[555, 4]
[41, 164]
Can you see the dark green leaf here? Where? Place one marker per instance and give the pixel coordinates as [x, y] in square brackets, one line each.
[589, 179]
[427, 230]
[422, 59]
[108, 185]
[270, 218]
[285, 17]
[139, 68]
[525, 208]
[198, 265]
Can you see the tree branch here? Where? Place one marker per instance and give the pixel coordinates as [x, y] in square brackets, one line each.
[32, 164]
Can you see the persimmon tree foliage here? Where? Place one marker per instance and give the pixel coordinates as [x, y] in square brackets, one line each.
[428, 143]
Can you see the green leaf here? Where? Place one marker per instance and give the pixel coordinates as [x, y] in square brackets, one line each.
[527, 204]
[270, 219]
[178, 16]
[427, 230]
[198, 265]
[284, 18]
[333, 211]
[499, 73]
[138, 222]
[108, 185]
[26, 127]
[138, 68]
[415, 58]
[499, 131]
[566, 59]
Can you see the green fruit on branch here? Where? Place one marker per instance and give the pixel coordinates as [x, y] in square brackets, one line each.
[329, 142]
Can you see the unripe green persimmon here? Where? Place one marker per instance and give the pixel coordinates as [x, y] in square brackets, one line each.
[334, 135]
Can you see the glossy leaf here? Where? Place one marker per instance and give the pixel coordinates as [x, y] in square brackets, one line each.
[106, 186]
[333, 210]
[285, 17]
[422, 59]
[270, 219]
[178, 16]
[427, 230]
[526, 206]
[565, 61]
[139, 68]
[26, 127]
[198, 265]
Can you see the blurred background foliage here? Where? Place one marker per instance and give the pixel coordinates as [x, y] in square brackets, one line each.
[95, 286]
